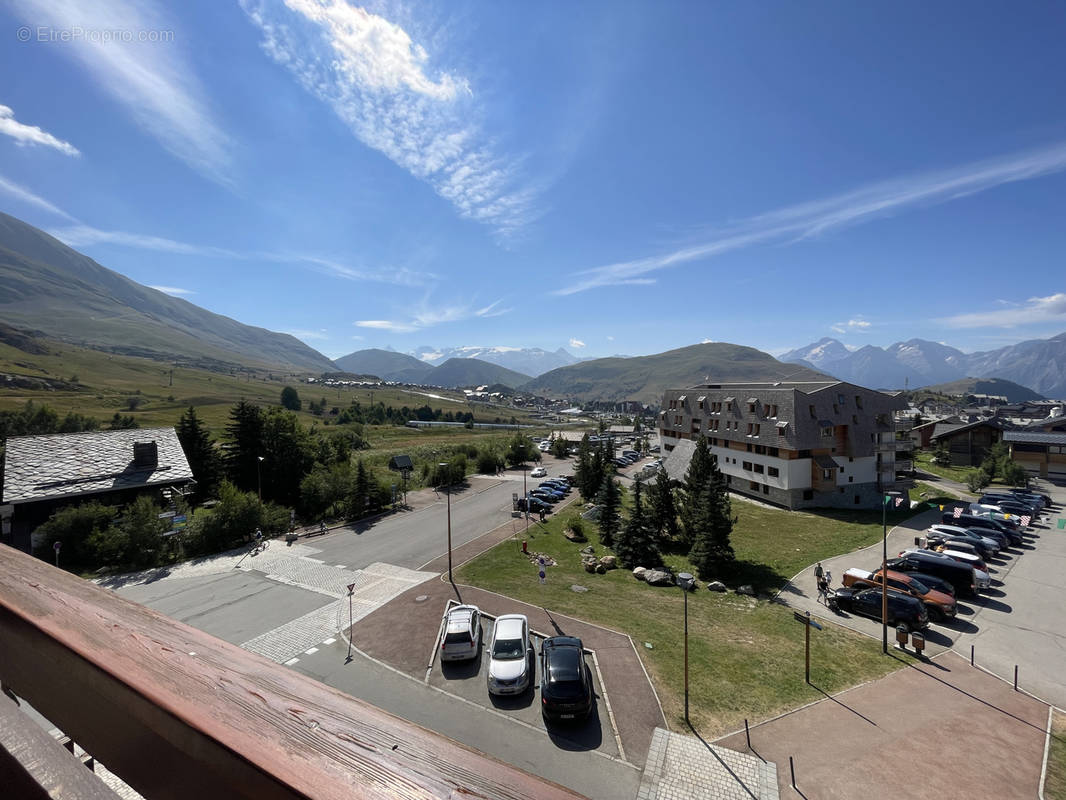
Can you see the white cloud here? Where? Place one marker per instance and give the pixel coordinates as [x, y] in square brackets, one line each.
[707, 341]
[838, 328]
[577, 344]
[610, 338]
[851, 326]
[174, 291]
[429, 316]
[810, 219]
[152, 79]
[861, 324]
[1035, 310]
[22, 194]
[31, 134]
[85, 235]
[376, 79]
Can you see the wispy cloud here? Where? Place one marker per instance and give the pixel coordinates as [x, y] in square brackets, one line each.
[429, 316]
[31, 134]
[86, 235]
[851, 326]
[174, 291]
[805, 220]
[153, 80]
[577, 344]
[377, 81]
[24, 195]
[1033, 311]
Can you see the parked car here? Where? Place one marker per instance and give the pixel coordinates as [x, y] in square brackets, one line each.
[956, 544]
[536, 505]
[974, 560]
[509, 661]
[960, 576]
[981, 578]
[939, 605]
[631, 453]
[565, 685]
[462, 634]
[1028, 493]
[538, 472]
[544, 447]
[977, 523]
[902, 609]
[1012, 502]
[933, 582]
[989, 544]
[544, 496]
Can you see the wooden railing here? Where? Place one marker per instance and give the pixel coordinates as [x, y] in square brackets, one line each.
[177, 713]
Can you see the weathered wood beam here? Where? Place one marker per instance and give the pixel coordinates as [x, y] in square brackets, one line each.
[177, 713]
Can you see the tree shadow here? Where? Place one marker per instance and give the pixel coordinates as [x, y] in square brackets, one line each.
[761, 577]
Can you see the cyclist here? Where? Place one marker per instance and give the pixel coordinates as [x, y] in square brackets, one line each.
[258, 539]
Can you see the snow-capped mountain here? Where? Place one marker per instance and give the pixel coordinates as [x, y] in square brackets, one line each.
[1038, 364]
[527, 360]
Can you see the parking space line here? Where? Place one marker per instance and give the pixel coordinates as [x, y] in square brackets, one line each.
[329, 641]
[291, 661]
[311, 652]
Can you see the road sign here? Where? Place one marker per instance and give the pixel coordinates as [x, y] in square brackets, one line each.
[806, 620]
[351, 588]
[57, 545]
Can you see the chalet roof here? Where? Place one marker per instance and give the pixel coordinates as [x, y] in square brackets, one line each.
[401, 462]
[992, 422]
[75, 464]
[1033, 437]
[676, 462]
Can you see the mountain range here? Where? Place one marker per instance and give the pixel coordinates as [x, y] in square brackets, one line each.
[1037, 364]
[526, 360]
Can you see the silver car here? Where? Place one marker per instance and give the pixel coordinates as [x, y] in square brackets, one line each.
[462, 634]
[509, 655]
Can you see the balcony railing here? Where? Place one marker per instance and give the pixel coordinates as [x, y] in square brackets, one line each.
[177, 713]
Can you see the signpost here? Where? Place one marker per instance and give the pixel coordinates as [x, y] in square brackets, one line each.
[808, 623]
[56, 546]
[351, 590]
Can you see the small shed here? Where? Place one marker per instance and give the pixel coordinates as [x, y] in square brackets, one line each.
[401, 463]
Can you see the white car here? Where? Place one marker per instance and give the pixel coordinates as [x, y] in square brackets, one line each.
[509, 655]
[544, 447]
[462, 634]
[538, 472]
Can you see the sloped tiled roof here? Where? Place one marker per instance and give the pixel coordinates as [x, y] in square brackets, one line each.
[676, 462]
[1034, 437]
[72, 464]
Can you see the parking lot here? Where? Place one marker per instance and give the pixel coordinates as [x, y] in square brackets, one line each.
[1012, 622]
[468, 680]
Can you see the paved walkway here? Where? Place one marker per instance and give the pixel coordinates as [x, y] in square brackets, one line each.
[689, 768]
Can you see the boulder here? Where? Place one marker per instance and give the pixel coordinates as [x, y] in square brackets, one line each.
[716, 586]
[574, 587]
[658, 577]
[574, 537]
[609, 562]
[601, 569]
[590, 566]
[746, 589]
[590, 549]
[638, 573]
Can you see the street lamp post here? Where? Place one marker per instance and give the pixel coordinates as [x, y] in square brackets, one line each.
[259, 477]
[448, 494]
[685, 581]
[884, 569]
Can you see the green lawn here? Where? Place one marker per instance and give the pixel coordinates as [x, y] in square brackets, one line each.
[1055, 783]
[924, 460]
[746, 655]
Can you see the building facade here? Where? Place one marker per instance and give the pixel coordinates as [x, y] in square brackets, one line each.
[797, 445]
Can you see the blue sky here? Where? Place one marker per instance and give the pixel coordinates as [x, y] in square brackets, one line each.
[606, 177]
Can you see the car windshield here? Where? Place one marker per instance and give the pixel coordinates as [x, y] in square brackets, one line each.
[506, 649]
[919, 587]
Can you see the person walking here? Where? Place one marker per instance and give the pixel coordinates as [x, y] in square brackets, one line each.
[823, 586]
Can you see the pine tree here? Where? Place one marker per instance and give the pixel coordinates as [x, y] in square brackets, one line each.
[662, 510]
[203, 458]
[360, 495]
[713, 519]
[610, 502]
[244, 439]
[697, 480]
[636, 545]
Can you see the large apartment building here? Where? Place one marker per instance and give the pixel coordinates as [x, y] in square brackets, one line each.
[796, 445]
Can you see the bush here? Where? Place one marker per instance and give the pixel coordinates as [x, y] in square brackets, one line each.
[977, 480]
[488, 462]
[1015, 474]
[233, 520]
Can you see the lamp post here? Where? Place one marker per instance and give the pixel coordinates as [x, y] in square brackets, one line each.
[259, 477]
[884, 569]
[448, 494]
[685, 581]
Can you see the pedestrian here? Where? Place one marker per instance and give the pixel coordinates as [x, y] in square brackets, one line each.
[818, 570]
[823, 586]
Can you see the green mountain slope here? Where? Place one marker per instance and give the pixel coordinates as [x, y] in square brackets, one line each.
[47, 286]
[386, 364]
[463, 372]
[993, 386]
[645, 378]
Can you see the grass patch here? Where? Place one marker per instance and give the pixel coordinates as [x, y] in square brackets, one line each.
[938, 495]
[745, 655]
[924, 460]
[1055, 782]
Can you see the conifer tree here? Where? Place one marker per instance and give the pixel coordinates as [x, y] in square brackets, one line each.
[636, 545]
[610, 502]
[662, 510]
[697, 479]
[203, 458]
[244, 435]
[713, 520]
[359, 498]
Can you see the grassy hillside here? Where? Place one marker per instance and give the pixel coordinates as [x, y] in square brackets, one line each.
[645, 378]
[994, 386]
[386, 364]
[463, 372]
[47, 286]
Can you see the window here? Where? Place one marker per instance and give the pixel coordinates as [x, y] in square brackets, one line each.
[827, 431]
[851, 479]
[701, 405]
[772, 451]
[728, 480]
[827, 474]
[750, 428]
[759, 469]
[729, 406]
[760, 449]
[773, 411]
[858, 402]
[753, 486]
[765, 489]
[756, 433]
[836, 409]
[751, 408]
[813, 415]
[856, 499]
[808, 494]
[673, 404]
[840, 399]
[746, 465]
[855, 418]
[772, 472]
[804, 454]
[748, 448]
